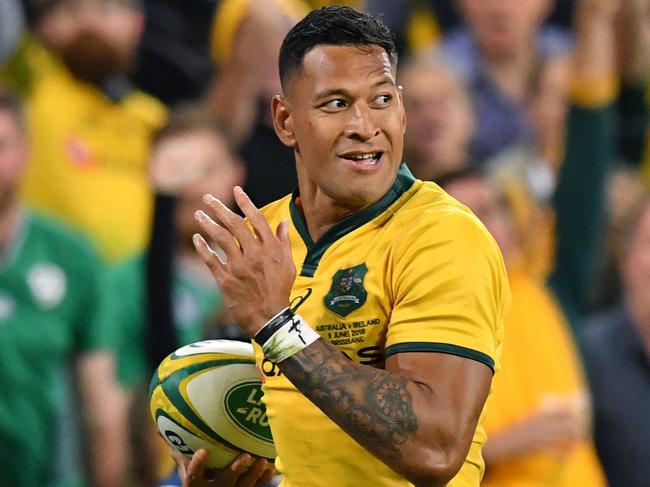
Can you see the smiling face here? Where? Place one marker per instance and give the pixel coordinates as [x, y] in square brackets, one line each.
[342, 114]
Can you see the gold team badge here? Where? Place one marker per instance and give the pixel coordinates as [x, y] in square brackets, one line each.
[347, 293]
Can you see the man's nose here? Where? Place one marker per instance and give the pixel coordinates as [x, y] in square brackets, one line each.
[361, 124]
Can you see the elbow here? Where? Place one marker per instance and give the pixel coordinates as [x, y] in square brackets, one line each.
[436, 469]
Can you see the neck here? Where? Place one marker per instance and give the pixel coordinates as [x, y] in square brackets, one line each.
[513, 72]
[322, 212]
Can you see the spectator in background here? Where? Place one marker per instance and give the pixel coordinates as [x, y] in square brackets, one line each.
[440, 118]
[508, 60]
[246, 39]
[617, 356]
[579, 196]
[538, 416]
[626, 181]
[12, 24]
[49, 291]
[191, 157]
[91, 130]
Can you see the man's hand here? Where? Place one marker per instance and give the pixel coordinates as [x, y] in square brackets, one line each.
[193, 472]
[556, 427]
[258, 271]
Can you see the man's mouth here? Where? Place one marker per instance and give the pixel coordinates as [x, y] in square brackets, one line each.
[363, 158]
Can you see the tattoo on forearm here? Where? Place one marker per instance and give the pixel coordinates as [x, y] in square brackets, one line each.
[371, 405]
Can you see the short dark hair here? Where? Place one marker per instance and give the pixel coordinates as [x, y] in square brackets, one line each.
[333, 25]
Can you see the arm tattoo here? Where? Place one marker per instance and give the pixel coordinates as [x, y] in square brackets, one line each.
[373, 406]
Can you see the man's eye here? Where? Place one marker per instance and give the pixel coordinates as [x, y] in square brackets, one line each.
[335, 104]
[383, 100]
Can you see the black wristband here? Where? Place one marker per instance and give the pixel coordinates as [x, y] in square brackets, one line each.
[268, 330]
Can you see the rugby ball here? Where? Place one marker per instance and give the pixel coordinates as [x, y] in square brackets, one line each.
[209, 395]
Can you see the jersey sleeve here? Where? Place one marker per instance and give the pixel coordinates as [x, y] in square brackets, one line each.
[449, 288]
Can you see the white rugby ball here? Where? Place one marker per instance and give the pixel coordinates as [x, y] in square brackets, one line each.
[209, 395]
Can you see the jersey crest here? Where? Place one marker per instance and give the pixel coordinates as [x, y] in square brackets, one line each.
[48, 284]
[347, 293]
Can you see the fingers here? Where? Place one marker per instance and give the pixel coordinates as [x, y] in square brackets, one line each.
[209, 256]
[181, 462]
[282, 232]
[195, 471]
[229, 476]
[218, 234]
[255, 217]
[233, 225]
[237, 474]
[231, 221]
[256, 475]
[266, 478]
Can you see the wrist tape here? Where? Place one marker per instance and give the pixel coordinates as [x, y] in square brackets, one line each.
[284, 335]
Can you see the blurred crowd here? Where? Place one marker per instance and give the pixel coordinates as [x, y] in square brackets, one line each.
[116, 116]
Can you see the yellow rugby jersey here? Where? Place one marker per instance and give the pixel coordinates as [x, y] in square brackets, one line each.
[416, 271]
[89, 164]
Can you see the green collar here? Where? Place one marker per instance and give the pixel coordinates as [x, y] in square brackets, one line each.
[315, 250]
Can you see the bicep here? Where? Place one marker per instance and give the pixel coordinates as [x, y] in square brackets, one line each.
[450, 389]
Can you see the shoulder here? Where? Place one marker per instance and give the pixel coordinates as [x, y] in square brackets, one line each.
[430, 214]
[149, 110]
[435, 231]
[50, 244]
[61, 238]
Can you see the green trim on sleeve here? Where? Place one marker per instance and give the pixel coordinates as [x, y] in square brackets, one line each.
[440, 348]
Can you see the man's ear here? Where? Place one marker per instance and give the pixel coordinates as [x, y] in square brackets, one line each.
[283, 121]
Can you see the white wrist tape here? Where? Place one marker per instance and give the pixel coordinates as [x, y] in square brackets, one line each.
[291, 337]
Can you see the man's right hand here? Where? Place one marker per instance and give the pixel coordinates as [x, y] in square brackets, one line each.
[194, 473]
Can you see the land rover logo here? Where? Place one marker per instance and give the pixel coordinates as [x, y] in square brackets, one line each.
[244, 406]
[347, 292]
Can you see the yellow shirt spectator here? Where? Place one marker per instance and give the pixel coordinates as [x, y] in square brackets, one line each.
[89, 153]
[540, 366]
